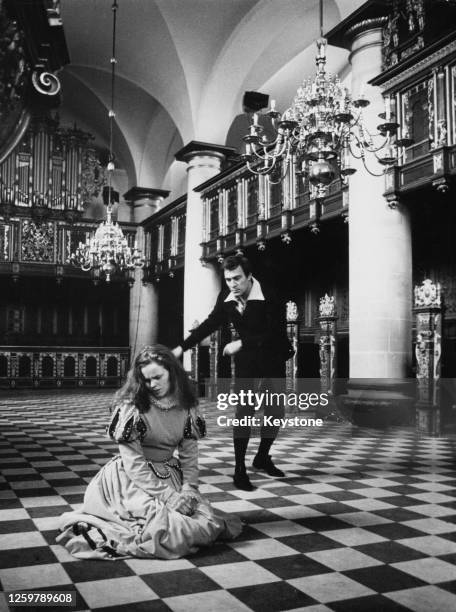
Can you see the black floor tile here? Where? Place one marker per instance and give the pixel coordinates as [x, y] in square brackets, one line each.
[390, 552]
[323, 523]
[45, 511]
[371, 603]
[17, 526]
[19, 557]
[217, 554]
[92, 569]
[397, 514]
[179, 582]
[293, 566]
[274, 597]
[154, 605]
[332, 508]
[394, 531]
[384, 579]
[310, 542]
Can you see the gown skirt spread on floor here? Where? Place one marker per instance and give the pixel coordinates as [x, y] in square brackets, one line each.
[128, 506]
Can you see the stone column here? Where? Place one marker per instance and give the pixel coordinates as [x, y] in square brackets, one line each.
[380, 257]
[201, 283]
[143, 297]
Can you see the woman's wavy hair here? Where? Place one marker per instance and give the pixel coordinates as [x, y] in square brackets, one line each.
[135, 389]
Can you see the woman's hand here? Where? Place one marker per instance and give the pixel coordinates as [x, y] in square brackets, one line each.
[186, 504]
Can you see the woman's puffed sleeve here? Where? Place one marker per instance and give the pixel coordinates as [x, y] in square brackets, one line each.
[126, 424]
[188, 457]
[137, 469]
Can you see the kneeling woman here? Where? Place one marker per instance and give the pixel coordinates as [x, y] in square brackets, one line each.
[145, 502]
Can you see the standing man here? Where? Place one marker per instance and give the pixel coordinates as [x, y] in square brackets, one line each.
[259, 353]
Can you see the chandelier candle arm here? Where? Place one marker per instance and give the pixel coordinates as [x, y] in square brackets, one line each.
[321, 129]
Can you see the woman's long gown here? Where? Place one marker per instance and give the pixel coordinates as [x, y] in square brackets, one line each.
[129, 503]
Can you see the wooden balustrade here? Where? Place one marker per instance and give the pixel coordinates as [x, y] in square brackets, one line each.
[64, 366]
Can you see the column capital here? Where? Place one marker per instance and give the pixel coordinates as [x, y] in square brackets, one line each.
[371, 15]
[194, 148]
[136, 195]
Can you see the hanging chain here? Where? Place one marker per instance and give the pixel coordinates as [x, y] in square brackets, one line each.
[111, 113]
[321, 18]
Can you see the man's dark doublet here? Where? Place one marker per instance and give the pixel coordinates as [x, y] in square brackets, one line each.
[261, 327]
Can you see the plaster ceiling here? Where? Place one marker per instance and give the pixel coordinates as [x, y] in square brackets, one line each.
[183, 66]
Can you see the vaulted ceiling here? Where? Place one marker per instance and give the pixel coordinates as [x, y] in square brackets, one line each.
[183, 66]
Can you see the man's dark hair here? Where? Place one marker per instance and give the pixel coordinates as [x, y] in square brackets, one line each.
[233, 261]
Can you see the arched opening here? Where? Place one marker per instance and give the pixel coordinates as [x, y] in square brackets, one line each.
[69, 367]
[24, 366]
[47, 367]
[91, 366]
[112, 366]
[3, 366]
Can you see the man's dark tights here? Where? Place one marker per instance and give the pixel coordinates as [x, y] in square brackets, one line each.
[241, 433]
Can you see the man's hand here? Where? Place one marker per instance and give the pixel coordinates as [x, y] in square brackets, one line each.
[232, 347]
[177, 352]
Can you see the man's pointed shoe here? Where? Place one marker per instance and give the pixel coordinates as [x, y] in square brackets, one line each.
[265, 464]
[242, 481]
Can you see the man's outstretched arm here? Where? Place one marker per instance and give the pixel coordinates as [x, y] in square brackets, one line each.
[214, 321]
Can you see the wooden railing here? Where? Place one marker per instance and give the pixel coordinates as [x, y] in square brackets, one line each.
[63, 366]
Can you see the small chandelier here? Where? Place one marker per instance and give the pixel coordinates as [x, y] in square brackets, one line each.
[322, 127]
[107, 252]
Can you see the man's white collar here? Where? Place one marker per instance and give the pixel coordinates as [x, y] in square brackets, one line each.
[255, 293]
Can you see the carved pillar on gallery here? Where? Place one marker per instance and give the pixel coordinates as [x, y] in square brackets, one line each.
[428, 349]
[201, 283]
[214, 347]
[194, 357]
[143, 318]
[291, 365]
[380, 262]
[327, 343]
[234, 337]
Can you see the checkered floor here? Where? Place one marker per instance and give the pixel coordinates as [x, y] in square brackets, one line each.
[364, 520]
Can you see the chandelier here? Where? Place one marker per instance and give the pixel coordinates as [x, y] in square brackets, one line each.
[108, 252]
[321, 129]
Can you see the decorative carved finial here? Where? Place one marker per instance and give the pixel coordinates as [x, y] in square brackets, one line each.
[393, 202]
[327, 306]
[428, 294]
[292, 312]
[45, 83]
[441, 185]
[261, 211]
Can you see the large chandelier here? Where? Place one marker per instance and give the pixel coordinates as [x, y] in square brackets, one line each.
[320, 130]
[108, 252]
